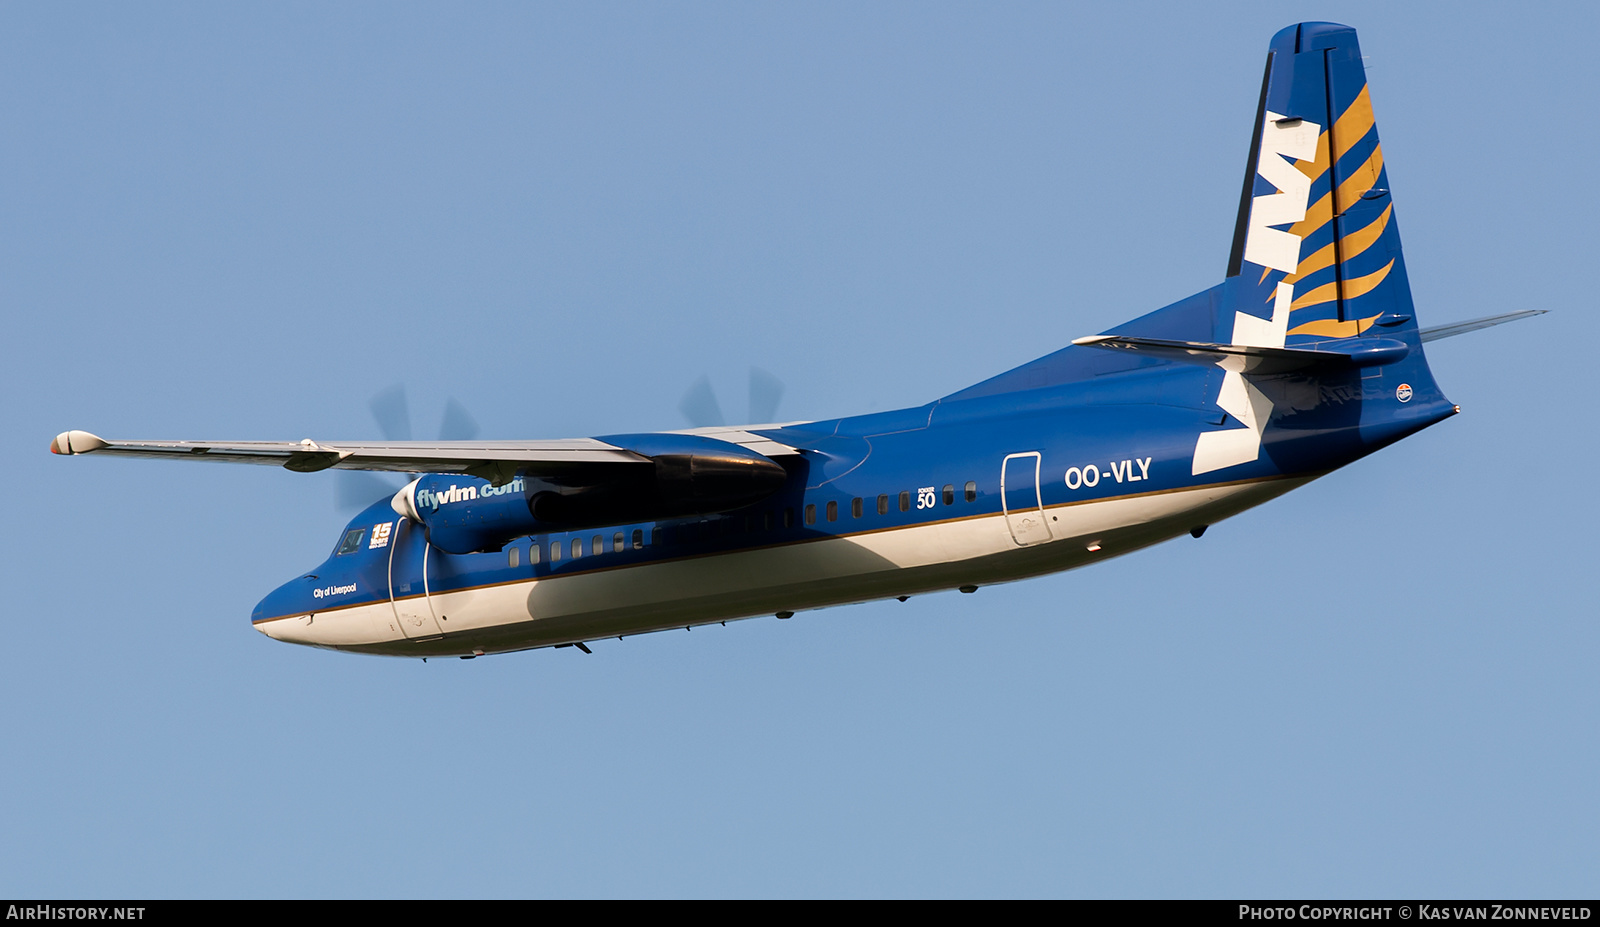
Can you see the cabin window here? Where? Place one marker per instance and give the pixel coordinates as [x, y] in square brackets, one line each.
[597, 545]
[833, 511]
[855, 507]
[638, 539]
[766, 520]
[811, 514]
[905, 501]
[883, 505]
[514, 557]
[577, 548]
[555, 551]
[972, 491]
[533, 553]
[616, 543]
[949, 494]
[788, 518]
[352, 541]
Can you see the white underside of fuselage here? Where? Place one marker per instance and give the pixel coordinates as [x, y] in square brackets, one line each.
[633, 598]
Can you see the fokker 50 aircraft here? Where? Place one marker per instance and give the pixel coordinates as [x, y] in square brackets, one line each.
[1306, 357]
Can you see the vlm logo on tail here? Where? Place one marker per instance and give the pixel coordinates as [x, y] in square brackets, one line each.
[1281, 136]
[1315, 166]
[1276, 250]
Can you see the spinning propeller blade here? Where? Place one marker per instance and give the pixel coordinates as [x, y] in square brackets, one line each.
[457, 425]
[357, 489]
[392, 413]
[699, 405]
[701, 409]
[766, 391]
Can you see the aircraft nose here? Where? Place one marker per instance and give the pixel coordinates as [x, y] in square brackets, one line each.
[276, 612]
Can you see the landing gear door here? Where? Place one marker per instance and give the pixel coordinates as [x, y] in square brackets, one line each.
[1021, 501]
[408, 583]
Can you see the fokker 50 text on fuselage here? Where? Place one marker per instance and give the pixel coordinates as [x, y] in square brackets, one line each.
[1306, 357]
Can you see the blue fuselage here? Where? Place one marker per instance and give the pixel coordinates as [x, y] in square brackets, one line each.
[957, 493]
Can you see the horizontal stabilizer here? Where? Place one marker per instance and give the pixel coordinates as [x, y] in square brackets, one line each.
[1352, 352]
[1461, 328]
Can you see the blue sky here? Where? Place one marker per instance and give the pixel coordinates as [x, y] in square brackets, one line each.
[233, 221]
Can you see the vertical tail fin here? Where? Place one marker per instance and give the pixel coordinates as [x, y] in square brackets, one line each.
[1316, 257]
[1316, 249]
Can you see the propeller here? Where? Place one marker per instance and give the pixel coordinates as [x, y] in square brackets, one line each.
[700, 407]
[357, 489]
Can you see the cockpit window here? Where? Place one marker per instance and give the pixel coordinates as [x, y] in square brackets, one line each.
[352, 541]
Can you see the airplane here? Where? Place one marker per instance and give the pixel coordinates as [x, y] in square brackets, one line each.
[1305, 358]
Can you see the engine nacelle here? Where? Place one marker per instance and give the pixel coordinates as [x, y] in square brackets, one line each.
[463, 514]
[678, 476]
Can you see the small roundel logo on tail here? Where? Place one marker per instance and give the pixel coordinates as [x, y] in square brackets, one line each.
[1403, 392]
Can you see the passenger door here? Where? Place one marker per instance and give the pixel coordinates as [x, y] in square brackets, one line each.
[1020, 499]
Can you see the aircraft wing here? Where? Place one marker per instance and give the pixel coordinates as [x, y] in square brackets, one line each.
[488, 459]
[496, 461]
